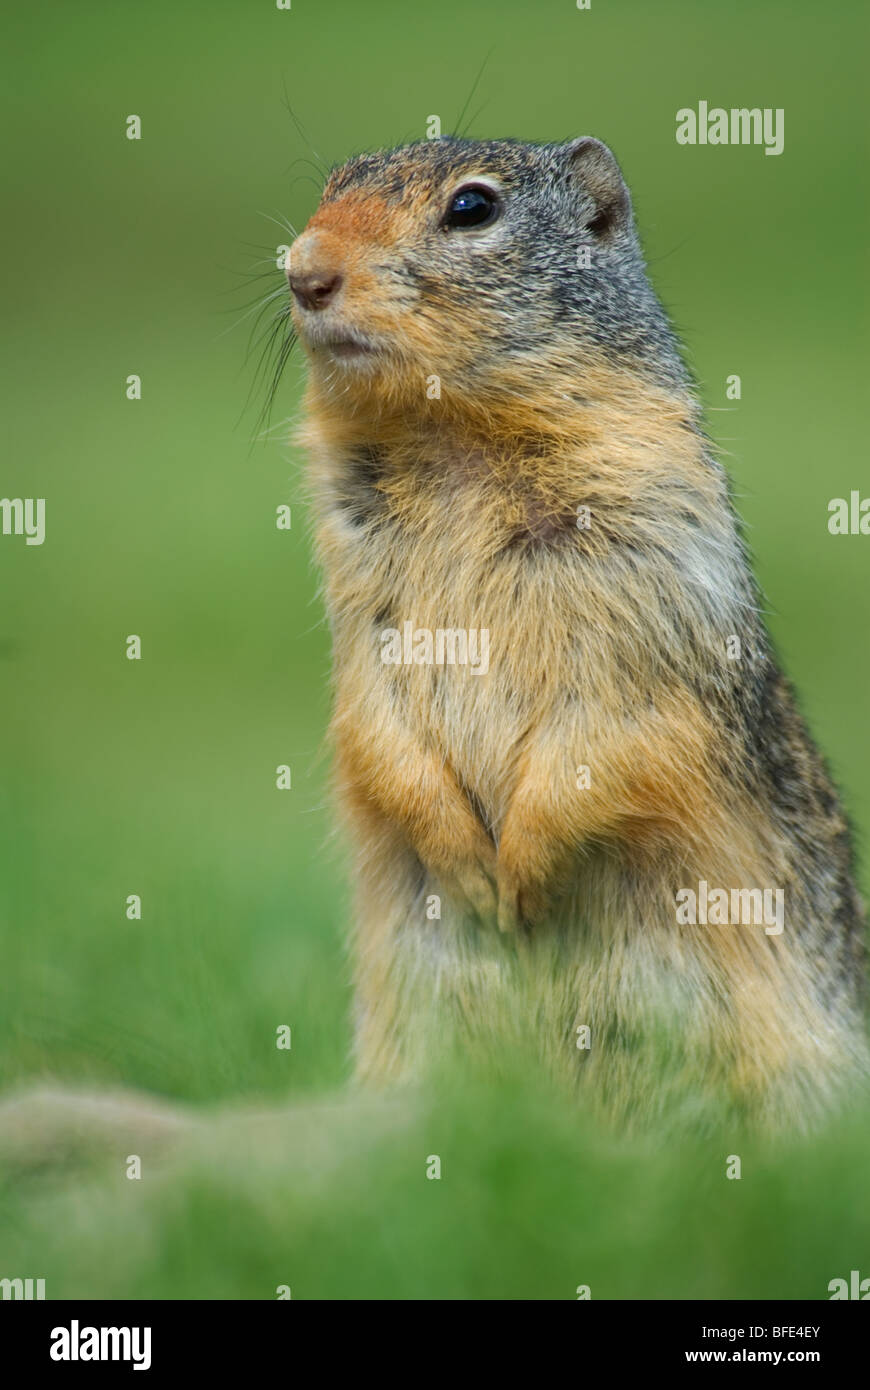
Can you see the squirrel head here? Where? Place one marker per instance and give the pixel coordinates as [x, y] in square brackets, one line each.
[493, 268]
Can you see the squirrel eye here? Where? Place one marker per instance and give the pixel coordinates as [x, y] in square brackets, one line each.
[474, 206]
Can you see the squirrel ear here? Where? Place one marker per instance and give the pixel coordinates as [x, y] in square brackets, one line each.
[595, 169]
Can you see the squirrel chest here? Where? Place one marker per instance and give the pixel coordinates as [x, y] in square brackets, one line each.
[417, 604]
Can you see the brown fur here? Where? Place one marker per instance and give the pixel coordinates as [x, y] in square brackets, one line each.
[608, 650]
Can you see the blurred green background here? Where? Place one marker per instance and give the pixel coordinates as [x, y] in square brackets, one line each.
[157, 777]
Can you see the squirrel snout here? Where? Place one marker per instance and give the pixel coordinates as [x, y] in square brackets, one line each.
[316, 288]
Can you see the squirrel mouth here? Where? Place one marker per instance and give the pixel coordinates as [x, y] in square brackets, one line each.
[344, 346]
[347, 347]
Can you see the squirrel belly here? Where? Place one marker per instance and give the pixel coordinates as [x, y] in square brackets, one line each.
[586, 813]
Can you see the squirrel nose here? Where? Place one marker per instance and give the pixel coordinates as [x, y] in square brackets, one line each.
[315, 290]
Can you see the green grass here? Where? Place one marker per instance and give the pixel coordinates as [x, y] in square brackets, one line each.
[332, 1198]
[158, 777]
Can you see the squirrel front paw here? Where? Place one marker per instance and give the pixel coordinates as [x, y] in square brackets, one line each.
[519, 904]
[471, 883]
[524, 877]
[476, 887]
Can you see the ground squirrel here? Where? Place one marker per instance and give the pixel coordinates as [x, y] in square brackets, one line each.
[504, 440]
